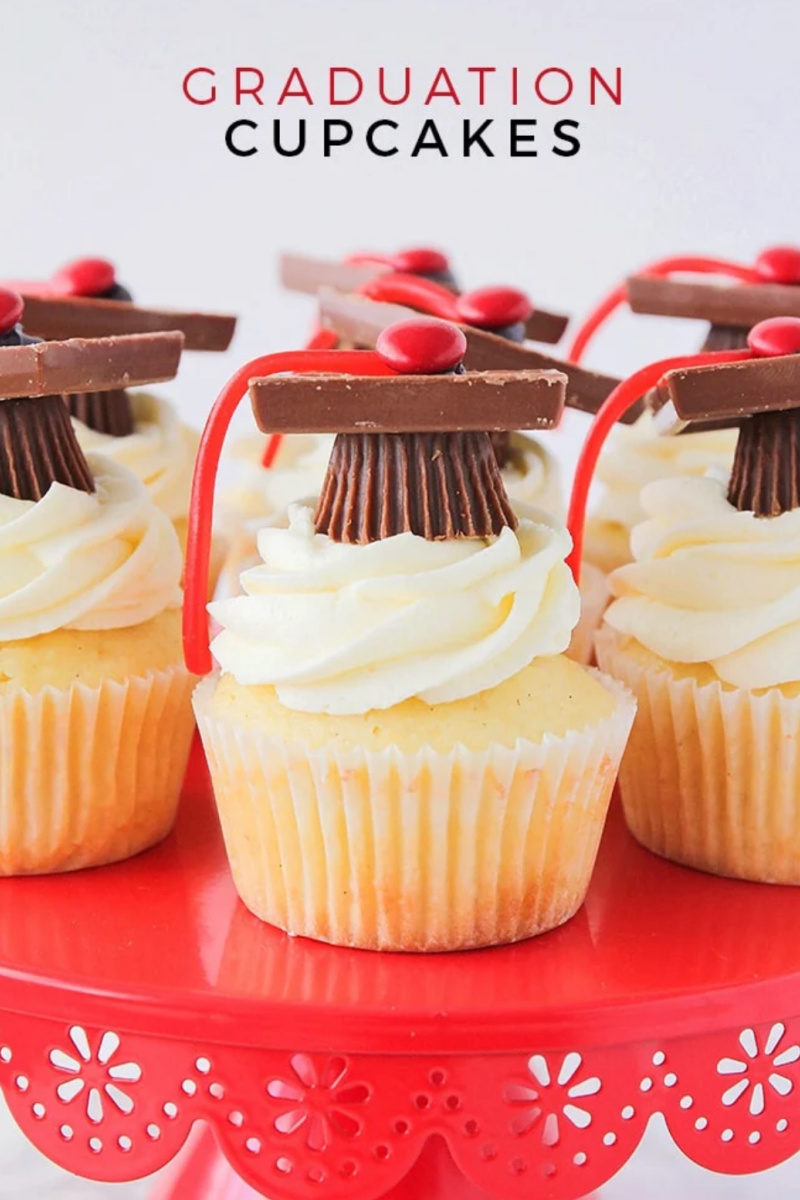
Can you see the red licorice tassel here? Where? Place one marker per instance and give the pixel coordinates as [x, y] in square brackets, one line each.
[693, 264]
[421, 294]
[198, 549]
[615, 406]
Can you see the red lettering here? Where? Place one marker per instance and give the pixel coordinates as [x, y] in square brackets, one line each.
[382, 86]
[212, 95]
[255, 91]
[614, 92]
[539, 81]
[481, 72]
[333, 74]
[514, 85]
[448, 91]
[302, 92]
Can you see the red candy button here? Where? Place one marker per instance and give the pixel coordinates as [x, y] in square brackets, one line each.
[84, 277]
[420, 260]
[778, 335]
[11, 309]
[494, 307]
[421, 347]
[779, 264]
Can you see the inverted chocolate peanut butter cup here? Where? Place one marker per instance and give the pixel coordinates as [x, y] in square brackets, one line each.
[761, 395]
[38, 446]
[85, 300]
[412, 451]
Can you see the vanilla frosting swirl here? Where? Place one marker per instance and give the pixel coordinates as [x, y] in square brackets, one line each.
[345, 629]
[713, 585]
[79, 560]
[161, 451]
[532, 476]
[637, 455]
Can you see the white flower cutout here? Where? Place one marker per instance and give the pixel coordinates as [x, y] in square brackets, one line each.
[547, 1101]
[95, 1074]
[761, 1070]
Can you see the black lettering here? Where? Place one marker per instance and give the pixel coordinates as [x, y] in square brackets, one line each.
[429, 130]
[329, 141]
[517, 137]
[276, 139]
[471, 138]
[229, 136]
[573, 142]
[373, 129]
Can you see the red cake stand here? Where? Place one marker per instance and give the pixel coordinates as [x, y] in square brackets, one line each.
[139, 999]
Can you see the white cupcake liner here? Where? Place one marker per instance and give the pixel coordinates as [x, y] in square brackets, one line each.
[90, 775]
[711, 776]
[421, 851]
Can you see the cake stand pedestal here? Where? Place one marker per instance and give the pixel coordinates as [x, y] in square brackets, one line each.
[142, 1000]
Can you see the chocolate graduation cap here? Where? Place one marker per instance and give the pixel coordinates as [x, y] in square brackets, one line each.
[360, 319]
[84, 299]
[761, 395]
[756, 389]
[731, 309]
[504, 311]
[38, 446]
[413, 450]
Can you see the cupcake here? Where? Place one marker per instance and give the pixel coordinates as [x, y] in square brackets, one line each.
[705, 629]
[137, 429]
[95, 711]
[402, 755]
[637, 456]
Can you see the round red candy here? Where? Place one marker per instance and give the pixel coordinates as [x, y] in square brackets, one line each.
[84, 277]
[420, 260]
[494, 307]
[778, 335]
[421, 347]
[11, 309]
[779, 264]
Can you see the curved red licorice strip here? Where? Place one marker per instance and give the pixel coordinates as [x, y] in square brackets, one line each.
[365, 258]
[320, 339]
[623, 397]
[421, 294]
[198, 547]
[696, 264]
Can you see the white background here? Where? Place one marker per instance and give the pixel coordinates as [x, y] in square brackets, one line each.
[101, 154]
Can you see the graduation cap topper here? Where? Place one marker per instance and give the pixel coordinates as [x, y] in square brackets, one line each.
[758, 388]
[767, 288]
[412, 451]
[503, 310]
[38, 446]
[84, 299]
[361, 316]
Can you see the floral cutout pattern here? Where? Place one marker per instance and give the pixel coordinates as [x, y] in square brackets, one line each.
[319, 1099]
[95, 1075]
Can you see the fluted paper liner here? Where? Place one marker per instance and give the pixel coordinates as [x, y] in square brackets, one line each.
[424, 851]
[711, 776]
[91, 775]
[594, 601]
